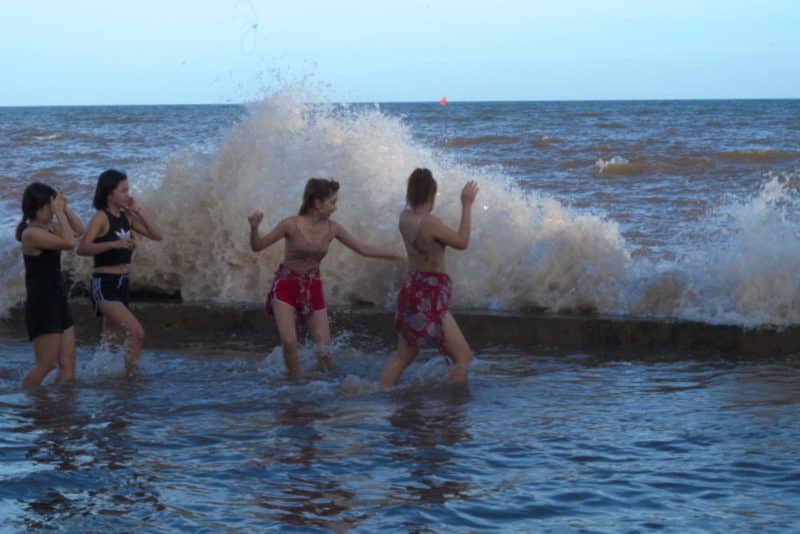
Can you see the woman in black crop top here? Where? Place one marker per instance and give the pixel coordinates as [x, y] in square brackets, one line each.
[110, 240]
[47, 315]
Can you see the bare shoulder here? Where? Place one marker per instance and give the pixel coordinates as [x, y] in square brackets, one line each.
[290, 223]
[27, 234]
[25, 238]
[99, 217]
[430, 220]
[30, 235]
[431, 225]
[32, 231]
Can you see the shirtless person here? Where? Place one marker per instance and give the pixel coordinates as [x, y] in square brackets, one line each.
[422, 305]
[296, 296]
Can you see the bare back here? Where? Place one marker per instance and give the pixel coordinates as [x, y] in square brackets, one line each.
[425, 252]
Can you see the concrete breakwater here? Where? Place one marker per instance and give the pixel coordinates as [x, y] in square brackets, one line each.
[177, 325]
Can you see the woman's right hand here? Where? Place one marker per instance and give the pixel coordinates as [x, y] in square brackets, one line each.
[469, 193]
[124, 244]
[255, 219]
[58, 203]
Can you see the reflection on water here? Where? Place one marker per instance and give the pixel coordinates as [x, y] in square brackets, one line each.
[305, 497]
[427, 434]
[81, 462]
[536, 442]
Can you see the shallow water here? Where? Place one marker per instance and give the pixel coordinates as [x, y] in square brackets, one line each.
[222, 442]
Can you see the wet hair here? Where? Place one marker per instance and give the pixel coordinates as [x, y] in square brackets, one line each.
[317, 189]
[106, 183]
[421, 187]
[35, 196]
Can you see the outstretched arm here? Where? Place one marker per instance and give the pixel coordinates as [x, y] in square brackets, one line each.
[142, 223]
[261, 242]
[458, 240]
[363, 249]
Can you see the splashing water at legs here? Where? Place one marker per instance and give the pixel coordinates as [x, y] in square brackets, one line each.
[121, 326]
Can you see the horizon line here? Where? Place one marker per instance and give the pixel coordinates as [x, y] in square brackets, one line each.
[432, 101]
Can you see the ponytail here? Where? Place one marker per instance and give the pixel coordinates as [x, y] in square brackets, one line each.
[21, 228]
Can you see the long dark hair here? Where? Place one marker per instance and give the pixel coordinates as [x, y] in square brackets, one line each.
[106, 183]
[421, 186]
[35, 196]
[317, 189]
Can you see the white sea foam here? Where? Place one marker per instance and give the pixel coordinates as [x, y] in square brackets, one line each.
[747, 273]
[603, 164]
[12, 274]
[526, 250]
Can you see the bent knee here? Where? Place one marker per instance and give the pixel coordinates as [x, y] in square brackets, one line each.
[463, 358]
[136, 333]
[66, 358]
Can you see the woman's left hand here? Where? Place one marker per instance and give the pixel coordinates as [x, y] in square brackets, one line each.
[133, 209]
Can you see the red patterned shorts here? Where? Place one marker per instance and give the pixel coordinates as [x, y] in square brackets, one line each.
[421, 308]
[303, 292]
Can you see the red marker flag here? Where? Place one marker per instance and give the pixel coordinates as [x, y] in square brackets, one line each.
[443, 101]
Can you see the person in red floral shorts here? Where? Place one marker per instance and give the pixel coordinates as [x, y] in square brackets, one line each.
[296, 297]
[422, 314]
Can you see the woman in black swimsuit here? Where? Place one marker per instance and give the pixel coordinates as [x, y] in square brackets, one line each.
[47, 314]
[109, 239]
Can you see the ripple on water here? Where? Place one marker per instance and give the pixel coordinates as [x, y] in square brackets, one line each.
[536, 442]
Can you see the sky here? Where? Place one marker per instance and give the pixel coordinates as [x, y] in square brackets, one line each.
[92, 52]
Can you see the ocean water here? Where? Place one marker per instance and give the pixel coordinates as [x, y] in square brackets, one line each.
[537, 442]
[667, 209]
[670, 209]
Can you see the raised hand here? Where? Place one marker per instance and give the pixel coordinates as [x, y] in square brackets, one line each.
[469, 193]
[255, 218]
[58, 203]
[66, 202]
[133, 209]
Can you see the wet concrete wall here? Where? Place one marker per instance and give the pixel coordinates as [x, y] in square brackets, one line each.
[174, 325]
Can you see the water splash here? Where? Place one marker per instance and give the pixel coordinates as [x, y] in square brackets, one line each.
[528, 251]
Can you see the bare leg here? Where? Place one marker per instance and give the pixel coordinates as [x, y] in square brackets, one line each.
[320, 329]
[458, 348]
[45, 348]
[395, 367]
[66, 356]
[112, 335]
[116, 315]
[287, 331]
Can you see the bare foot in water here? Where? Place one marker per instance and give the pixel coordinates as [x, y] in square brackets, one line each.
[325, 363]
